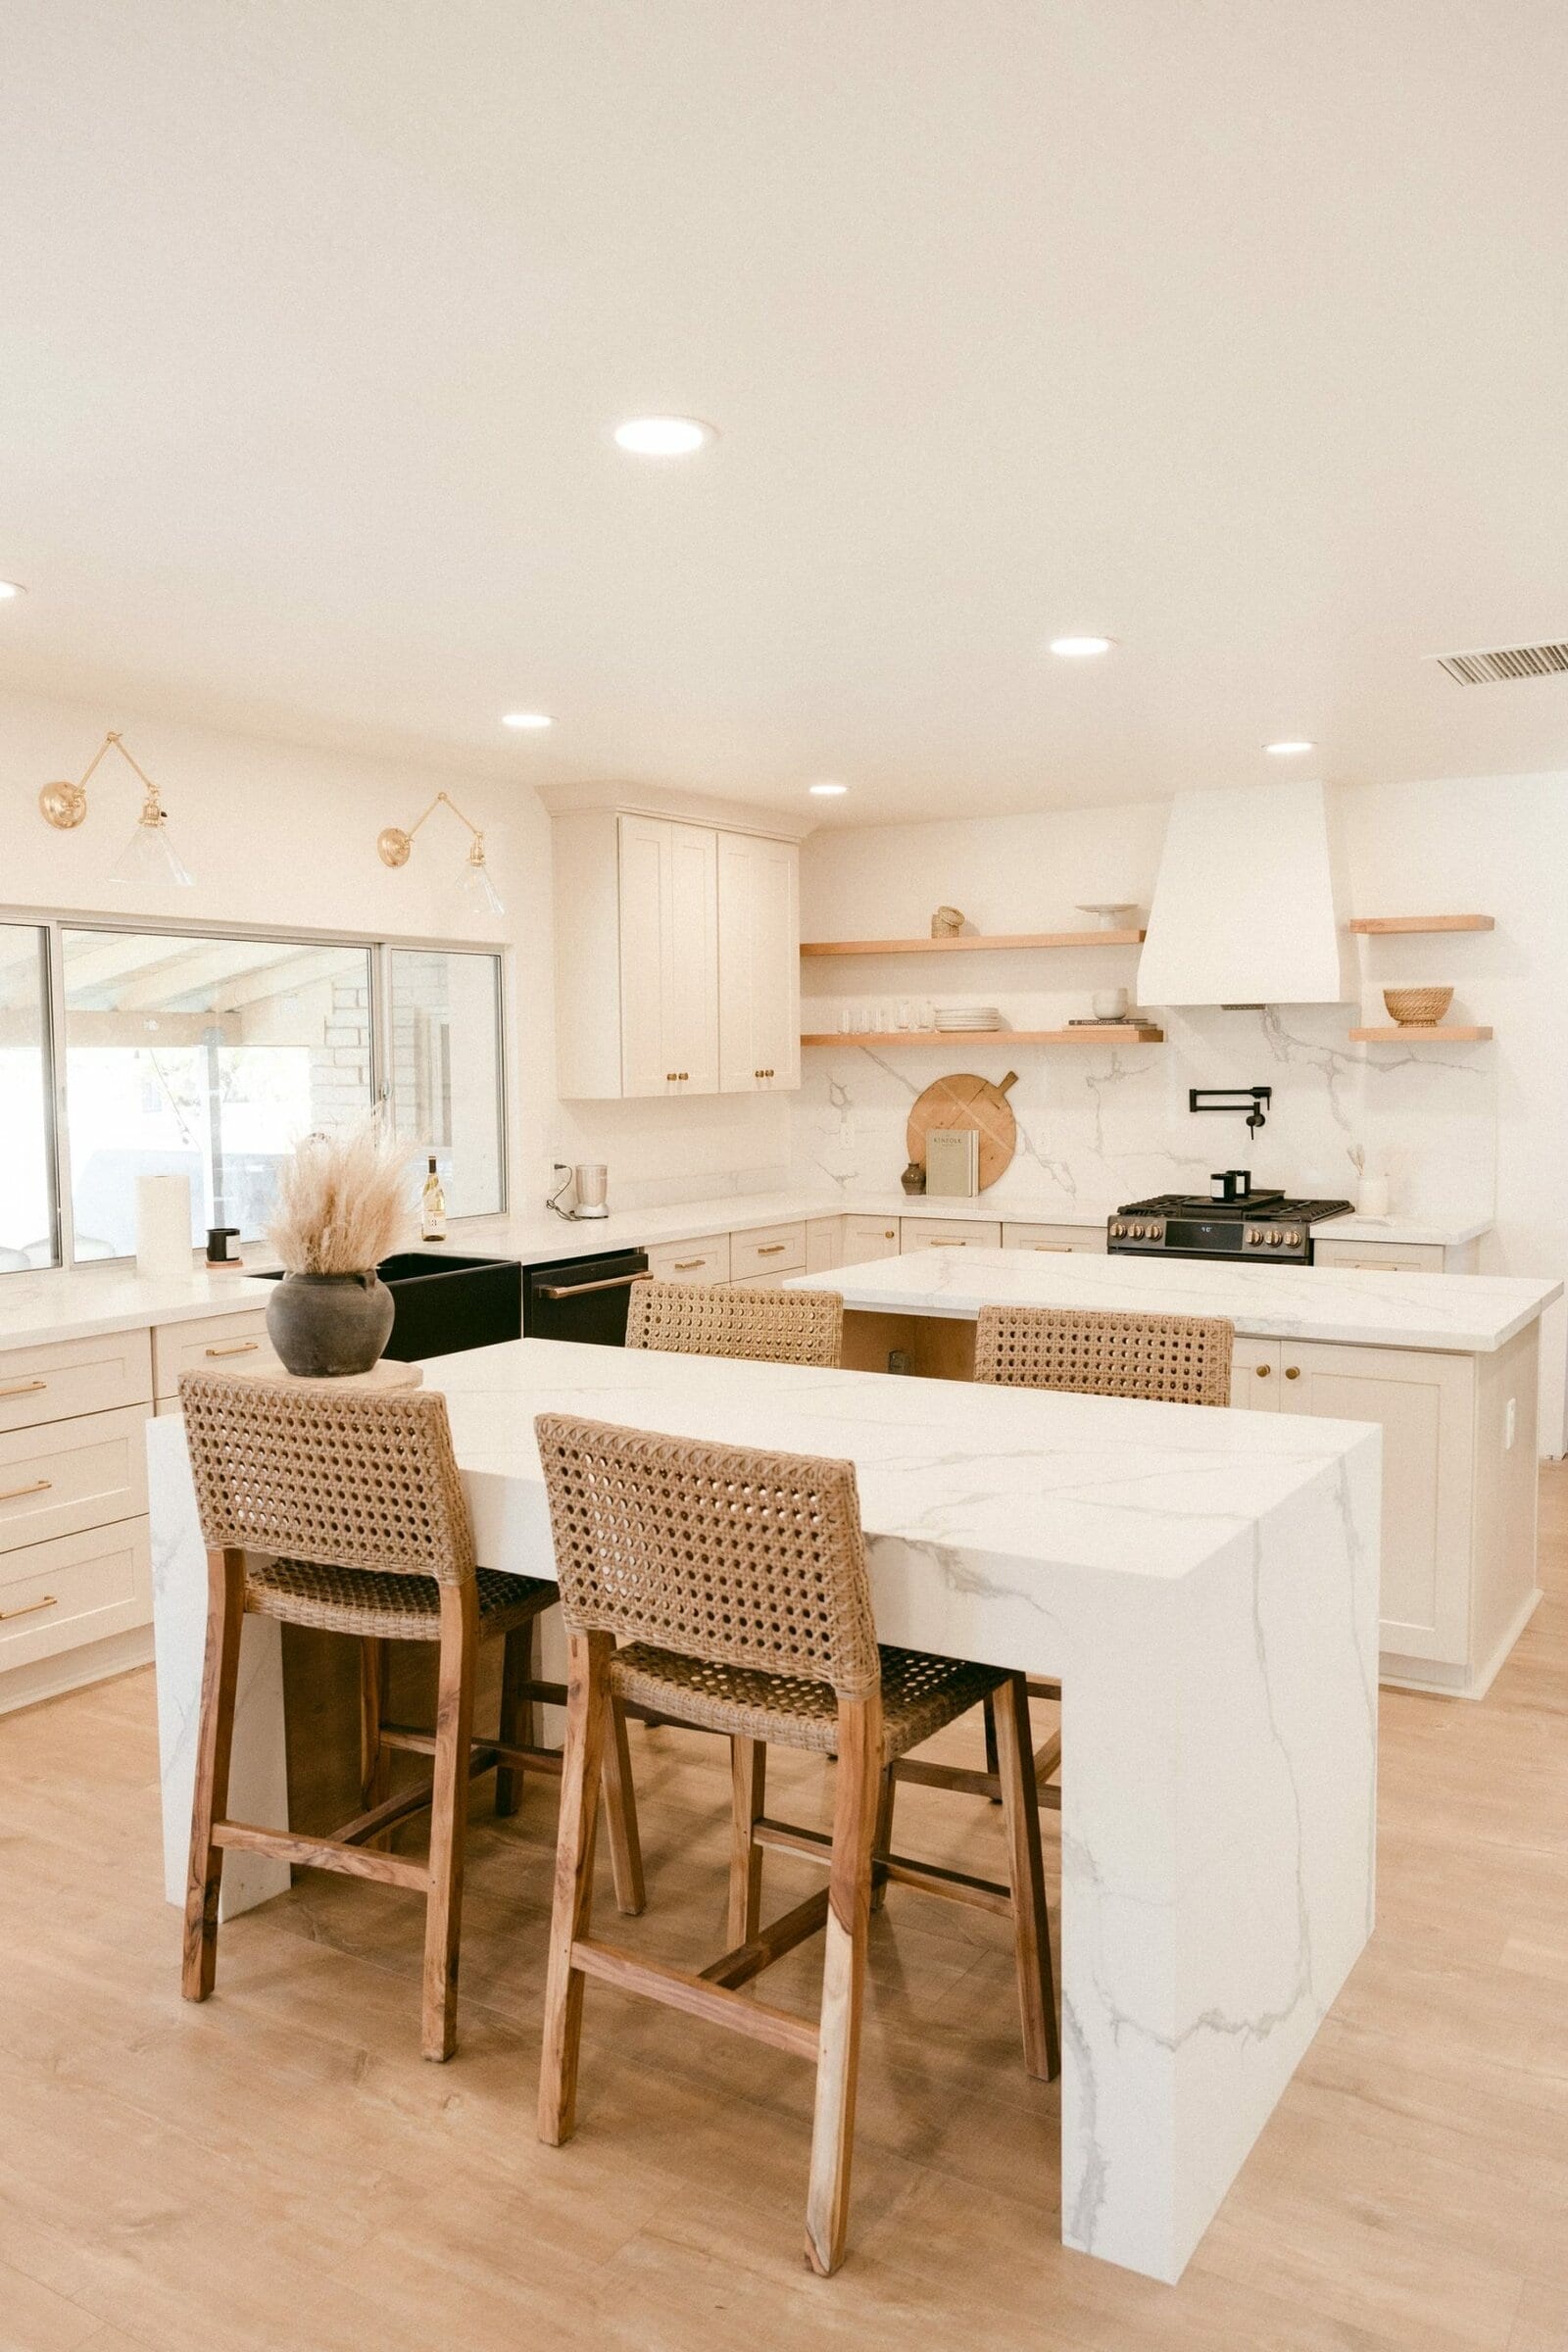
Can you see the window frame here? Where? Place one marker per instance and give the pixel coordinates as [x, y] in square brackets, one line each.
[379, 947]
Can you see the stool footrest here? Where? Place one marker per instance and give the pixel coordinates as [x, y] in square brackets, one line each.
[323, 1854]
[769, 1944]
[676, 1989]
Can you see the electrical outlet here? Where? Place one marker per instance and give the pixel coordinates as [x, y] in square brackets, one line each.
[1509, 1420]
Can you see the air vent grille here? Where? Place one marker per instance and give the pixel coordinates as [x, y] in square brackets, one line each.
[1502, 663]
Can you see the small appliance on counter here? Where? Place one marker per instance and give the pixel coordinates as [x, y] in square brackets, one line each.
[1271, 1228]
[588, 1184]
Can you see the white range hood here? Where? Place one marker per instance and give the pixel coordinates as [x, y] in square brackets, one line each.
[1250, 904]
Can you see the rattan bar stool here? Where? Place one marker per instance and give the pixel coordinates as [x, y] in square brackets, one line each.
[736, 1581]
[345, 1511]
[698, 1318]
[1164, 1359]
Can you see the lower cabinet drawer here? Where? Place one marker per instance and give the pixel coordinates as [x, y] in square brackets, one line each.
[868, 1237]
[66, 1475]
[771, 1249]
[938, 1233]
[762, 1282]
[1381, 1258]
[1051, 1238]
[81, 1588]
[211, 1345]
[704, 1261]
[74, 1376]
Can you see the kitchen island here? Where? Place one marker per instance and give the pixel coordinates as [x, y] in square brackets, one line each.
[1447, 1365]
[1203, 1584]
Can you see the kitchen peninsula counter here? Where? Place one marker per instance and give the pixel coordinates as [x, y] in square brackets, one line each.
[1203, 1584]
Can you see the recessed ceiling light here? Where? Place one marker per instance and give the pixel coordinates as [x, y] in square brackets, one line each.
[1288, 749]
[1079, 648]
[827, 792]
[12, 588]
[526, 718]
[663, 436]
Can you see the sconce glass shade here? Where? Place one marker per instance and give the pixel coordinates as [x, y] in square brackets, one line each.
[477, 892]
[149, 857]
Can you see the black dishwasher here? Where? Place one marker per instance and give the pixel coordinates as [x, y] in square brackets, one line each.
[581, 1298]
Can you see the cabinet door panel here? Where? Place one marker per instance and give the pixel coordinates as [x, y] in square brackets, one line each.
[758, 965]
[691, 958]
[646, 1055]
[1255, 1382]
[1424, 1406]
[866, 1238]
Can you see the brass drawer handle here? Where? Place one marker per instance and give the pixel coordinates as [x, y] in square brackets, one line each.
[947, 1245]
[24, 1387]
[238, 1348]
[772, 1249]
[1293, 1371]
[1262, 1370]
[1060, 1248]
[39, 1486]
[29, 1608]
[684, 1265]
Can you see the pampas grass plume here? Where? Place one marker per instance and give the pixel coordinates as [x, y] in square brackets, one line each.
[343, 1201]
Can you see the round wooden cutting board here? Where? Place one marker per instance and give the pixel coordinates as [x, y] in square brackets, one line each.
[965, 1100]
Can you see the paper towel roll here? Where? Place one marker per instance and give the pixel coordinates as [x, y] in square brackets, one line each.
[163, 1226]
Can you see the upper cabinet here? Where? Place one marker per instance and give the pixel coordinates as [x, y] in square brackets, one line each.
[677, 951]
[758, 965]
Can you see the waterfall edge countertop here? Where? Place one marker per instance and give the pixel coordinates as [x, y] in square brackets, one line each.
[1204, 1585]
[1469, 1314]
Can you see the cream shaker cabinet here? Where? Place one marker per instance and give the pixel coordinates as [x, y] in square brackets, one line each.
[758, 965]
[676, 958]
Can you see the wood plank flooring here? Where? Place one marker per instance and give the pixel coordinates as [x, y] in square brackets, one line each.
[280, 2168]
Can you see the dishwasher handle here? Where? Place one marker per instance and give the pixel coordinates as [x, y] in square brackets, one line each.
[580, 1290]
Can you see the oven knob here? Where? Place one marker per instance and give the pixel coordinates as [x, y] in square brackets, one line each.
[1275, 1239]
[1139, 1232]
[1116, 1231]
[1293, 1240]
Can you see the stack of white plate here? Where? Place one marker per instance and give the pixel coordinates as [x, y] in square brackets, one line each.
[964, 1018]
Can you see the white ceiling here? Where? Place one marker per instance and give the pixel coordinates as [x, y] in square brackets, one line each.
[1234, 328]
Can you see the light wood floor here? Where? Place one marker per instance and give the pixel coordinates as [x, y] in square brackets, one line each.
[282, 2169]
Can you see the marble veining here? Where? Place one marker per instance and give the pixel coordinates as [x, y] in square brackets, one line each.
[1467, 1313]
[1205, 1585]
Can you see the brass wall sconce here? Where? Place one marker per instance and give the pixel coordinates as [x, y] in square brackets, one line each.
[475, 889]
[149, 856]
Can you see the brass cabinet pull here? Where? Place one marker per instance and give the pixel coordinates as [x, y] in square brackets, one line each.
[1293, 1371]
[947, 1245]
[29, 1608]
[24, 1387]
[772, 1249]
[580, 1290]
[39, 1486]
[238, 1348]
[891, 1234]
[1061, 1249]
[1262, 1370]
[684, 1265]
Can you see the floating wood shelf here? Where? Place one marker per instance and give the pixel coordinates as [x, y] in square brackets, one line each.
[1420, 1033]
[1379, 924]
[970, 943]
[1097, 1033]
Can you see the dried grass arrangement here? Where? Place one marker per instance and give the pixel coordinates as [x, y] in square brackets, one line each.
[344, 1200]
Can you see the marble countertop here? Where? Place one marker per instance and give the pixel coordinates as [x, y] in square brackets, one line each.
[1136, 1491]
[36, 1311]
[1462, 1313]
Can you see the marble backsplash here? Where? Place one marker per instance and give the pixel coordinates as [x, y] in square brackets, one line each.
[1102, 1124]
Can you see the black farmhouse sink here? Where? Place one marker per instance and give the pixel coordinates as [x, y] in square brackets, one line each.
[443, 1305]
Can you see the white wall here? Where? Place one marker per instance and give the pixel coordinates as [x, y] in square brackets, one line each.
[279, 834]
[1461, 1129]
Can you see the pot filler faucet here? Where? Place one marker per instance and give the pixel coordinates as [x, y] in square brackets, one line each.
[1254, 1100]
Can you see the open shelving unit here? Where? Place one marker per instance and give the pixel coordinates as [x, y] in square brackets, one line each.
[1383, 926]
[971, 943]
[1095, 1033]
[1415, 1032]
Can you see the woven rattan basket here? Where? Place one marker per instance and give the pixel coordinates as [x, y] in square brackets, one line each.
[1417, 1007]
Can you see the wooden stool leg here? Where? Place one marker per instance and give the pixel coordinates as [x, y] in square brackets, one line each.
[376, 1761]
[748, 1782]
[515, 1723]
[621, 1815]
[884, 1837]
[990, 1741]
[588, 1658]
[1031, 1924]
[225, 1616]
[855, 1799]
[449, 1816]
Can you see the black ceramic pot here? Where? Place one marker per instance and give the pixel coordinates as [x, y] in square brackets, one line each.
[324, 1326]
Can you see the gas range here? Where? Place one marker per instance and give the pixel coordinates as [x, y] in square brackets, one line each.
[1269, 1228]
